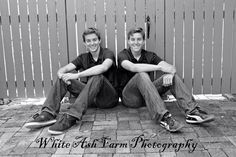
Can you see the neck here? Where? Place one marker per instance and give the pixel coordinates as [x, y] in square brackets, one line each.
[137, 54]
[96, 54]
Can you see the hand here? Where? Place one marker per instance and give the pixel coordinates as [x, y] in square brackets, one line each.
[59, 74]
[69, 76]
[168, 79]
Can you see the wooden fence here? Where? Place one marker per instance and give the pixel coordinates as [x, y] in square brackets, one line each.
[39, 36]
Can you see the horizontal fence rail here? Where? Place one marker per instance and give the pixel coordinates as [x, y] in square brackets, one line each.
[39, 36]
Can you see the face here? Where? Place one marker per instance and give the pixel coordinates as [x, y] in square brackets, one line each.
[92, 42]
[136, 42]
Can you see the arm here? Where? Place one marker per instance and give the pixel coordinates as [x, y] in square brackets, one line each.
[166, 67]
[95, 70]
[139, 67]
[67, 68]
[98, 69]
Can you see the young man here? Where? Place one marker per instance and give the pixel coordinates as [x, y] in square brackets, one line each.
[98, 66]
[137, 89]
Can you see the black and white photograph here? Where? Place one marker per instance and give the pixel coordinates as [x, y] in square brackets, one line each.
[117, 78]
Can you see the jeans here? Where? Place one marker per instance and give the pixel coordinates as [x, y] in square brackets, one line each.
[98, 92]
[140, 90]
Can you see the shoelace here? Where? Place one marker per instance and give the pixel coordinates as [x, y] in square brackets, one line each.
[170, 121]
[35, 116]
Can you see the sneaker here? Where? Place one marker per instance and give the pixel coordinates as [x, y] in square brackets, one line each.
[198, 116]
[64, 123]
[170, 124]
[41, 120]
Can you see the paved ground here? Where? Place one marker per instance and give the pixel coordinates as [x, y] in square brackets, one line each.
[120, 132]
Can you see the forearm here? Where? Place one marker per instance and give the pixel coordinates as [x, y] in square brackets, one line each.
[145, 68]
[96, 70]
[171, 70]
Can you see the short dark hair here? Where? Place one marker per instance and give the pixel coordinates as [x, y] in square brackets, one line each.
[136, 30]
[91, 30]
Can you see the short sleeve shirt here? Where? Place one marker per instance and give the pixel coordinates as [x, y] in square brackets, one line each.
[86, 61]
[146, 57]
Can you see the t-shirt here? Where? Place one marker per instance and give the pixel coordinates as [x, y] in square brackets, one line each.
[86, 61]
[146, 57]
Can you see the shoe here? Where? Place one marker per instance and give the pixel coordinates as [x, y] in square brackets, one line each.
[64, 123]
[41, 120]
[170, 124]
[198, 116]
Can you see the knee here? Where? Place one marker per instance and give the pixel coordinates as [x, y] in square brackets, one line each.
[97, 78]
[142, 76]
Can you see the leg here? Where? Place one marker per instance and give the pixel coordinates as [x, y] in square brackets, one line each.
[87, 97]
[140, 89]
[52, 103]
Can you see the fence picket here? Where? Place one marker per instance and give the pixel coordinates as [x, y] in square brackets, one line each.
[169, 31]
[120, 25]
[130, 14]
[26, 48]
[140, 13]
[100, 20]
[110, 22]
[90, 14]
[43, 29]
[217, 47]
[63, 51]
[35, 48]
[52, 24]
[227, 46]
[8, 48]
[233, 83]
[207, 65]
[198, 45]
[160, 30]
[179, 4]
[80, 25]
[3, 88]
[71, 34]
[17, 48]
[151, 41]
[188, 43]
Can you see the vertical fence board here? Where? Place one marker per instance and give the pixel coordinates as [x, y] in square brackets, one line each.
[160, 28]
[120, 25]
[90, 14]
[43, 29]
[17, 48]
[3, 88]
[100, 20]
[208, 25]
[169, 30]
[62, 32]
[233, 83]
[140, 13]
[179, 4]
[35, 48]
[150, 12]
[70, 4]
[188, 43]
[110, 14]
[130, 15]
[198, 45]
[217, 47]
[52, 23]
[26, 48]
[80, 25]
[8, 48]
[227, 46]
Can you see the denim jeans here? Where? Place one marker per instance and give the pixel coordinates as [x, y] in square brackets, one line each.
[140, 90]
[98, 92]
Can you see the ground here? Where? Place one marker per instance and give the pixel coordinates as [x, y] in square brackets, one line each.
[114, 132]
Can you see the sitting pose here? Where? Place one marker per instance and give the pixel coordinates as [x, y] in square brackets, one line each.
[98, 90]
[136, 88]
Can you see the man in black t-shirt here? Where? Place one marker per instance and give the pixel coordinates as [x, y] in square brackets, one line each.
[97, 90]
[137, 86]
